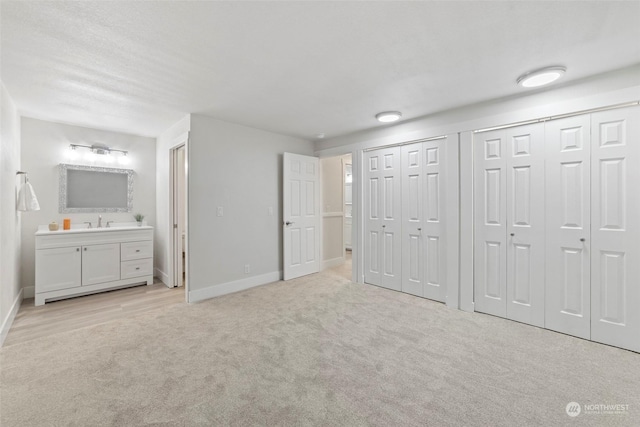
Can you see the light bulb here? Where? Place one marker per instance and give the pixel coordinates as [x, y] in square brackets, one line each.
[108, 158]
[90, 156]
[72, 154]
[124, 159]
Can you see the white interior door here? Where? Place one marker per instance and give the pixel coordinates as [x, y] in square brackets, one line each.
[434, 224]
[412, 219]
[301, 214]
[615, 228]
[568, 208]
[382, 198]
[490, 272]
[525, 223]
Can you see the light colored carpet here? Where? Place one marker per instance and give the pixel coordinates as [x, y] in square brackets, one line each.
[318, 350]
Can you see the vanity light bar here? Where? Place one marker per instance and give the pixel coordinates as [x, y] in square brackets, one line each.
[98, 148]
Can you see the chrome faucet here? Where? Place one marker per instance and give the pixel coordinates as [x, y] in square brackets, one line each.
[99, 221]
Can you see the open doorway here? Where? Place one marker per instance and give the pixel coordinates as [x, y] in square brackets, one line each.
[178, 184]
[337, 214]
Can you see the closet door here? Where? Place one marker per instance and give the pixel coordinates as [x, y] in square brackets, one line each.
[412, 219]
[490, 272]
[568, 207]
[433, 228]
[615, 228]
[382, 218]
[525, 224]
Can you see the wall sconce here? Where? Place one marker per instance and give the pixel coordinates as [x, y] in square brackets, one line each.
[97, 151]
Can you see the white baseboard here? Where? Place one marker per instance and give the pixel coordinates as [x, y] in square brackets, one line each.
[334, 262]
[235, 286]
[8, 321]
[28, 292]
[164, 277]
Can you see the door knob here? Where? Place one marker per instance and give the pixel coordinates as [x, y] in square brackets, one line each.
[288, 223]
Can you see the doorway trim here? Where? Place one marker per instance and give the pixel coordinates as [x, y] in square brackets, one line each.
[175, 240]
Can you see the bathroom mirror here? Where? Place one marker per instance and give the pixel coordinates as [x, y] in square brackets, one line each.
[89, 189]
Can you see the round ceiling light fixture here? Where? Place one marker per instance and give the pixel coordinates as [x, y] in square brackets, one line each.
[541, 77]
[388, 116]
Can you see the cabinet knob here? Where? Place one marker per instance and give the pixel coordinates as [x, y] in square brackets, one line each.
[137, 250]
[582, 239]
[85, 249]
[419, 229]
[512, 234]
[77, 249]
[137, 268]
[384, 226]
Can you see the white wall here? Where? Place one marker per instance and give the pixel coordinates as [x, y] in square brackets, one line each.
[332, 211]
[10, 243]
[173, 136]
[239, 169]
[44, 146]
[607, 89]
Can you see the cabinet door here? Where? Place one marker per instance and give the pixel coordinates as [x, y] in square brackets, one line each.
[568, 219]
[525, 223]
[57, 268]
[382, 218]
[100, 263]
[615, 228]
[490, 272]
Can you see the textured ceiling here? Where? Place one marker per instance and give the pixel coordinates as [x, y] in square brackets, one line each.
[298, 68]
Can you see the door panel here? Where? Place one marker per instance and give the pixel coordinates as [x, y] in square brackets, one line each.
[615, 228]
[490, 272]
[434, 226]
[383, 218]
[412, 219]
[525, 224]
[568, 206]
[301, 208]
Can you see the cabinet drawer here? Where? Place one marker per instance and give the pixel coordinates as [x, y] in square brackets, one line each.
[136, 250]
[136, 268]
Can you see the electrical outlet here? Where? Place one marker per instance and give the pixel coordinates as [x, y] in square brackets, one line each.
[220, 211]
[247, 269]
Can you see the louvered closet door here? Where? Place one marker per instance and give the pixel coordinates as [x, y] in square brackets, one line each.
[615, 228]
[525, 223]
[433, 230]
[412, 219]
[568, 207]
[382, 218]
[490, 272]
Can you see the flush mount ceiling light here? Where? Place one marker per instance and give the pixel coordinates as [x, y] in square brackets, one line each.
[541, 77]
[388, 116]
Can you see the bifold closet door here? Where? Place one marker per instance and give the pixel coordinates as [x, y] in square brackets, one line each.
[568, 219]
[525, 224]
[615, 228]
[413, 274]
[382, 199]
[509, 229]
[490, 210]
[433, 230]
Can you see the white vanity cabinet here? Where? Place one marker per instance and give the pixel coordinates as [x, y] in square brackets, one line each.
[79, 262]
